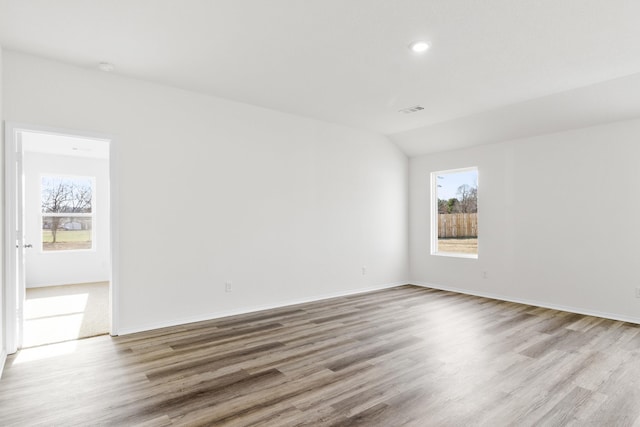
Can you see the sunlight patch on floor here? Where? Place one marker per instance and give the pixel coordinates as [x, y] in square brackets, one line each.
[38, 308]
[59, 328]
[55, 314]
[45, 352]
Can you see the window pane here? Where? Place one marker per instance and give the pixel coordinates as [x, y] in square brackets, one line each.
[66, 233]
[66, 194]
[61, 196]
[457, 211]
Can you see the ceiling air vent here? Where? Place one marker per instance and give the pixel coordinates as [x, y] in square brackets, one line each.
[410, 110]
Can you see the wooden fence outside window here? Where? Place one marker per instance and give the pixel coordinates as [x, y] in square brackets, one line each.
[457, 225]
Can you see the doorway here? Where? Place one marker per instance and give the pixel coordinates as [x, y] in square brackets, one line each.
[59, 216]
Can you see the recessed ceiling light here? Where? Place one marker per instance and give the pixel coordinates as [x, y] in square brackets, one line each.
[419, 46]
[105, 66]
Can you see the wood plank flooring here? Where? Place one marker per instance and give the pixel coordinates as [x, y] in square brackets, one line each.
[403, 356]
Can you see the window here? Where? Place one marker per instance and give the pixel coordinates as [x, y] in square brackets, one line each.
[454, 228]
[67, 213]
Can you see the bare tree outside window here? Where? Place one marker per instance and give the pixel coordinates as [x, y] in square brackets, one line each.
[67, 213]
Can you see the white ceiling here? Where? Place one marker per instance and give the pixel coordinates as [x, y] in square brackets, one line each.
[606, 102]
[64, 145]
[346, 61]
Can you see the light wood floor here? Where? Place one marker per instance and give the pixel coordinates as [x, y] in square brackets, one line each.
[404, 356]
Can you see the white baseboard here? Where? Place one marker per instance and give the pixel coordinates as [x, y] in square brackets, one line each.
[245, 310]
[3, 360]
[577, 310]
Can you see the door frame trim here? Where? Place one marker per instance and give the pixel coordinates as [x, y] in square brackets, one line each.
[10, 237]
[10, 234]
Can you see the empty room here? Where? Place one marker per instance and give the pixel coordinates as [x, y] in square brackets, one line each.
[322, 213]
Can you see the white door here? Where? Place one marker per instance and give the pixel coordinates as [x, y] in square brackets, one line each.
[15, 242]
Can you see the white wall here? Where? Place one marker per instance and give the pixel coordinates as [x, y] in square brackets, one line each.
[557, 221]
[3, 320]
[288, 208]
[65, 267]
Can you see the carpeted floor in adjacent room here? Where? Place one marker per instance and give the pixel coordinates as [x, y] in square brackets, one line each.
[62, 313]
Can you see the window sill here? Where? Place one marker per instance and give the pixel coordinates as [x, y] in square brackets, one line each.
[455, 255]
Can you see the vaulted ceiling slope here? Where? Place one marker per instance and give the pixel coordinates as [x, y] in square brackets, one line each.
[347, 61]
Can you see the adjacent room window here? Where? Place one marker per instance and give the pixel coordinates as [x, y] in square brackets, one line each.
[67, 213]
[454, 229]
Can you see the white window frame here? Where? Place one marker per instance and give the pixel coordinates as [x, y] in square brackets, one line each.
[91, 215]
[434, 213]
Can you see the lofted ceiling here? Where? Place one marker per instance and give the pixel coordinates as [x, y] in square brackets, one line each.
[347, 61]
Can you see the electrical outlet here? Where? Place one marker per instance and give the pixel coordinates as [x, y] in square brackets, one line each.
[485, 275]
[364, 271]
[227, 286]
[638, 292]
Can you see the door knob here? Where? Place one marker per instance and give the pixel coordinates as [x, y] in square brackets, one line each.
[28, 245]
